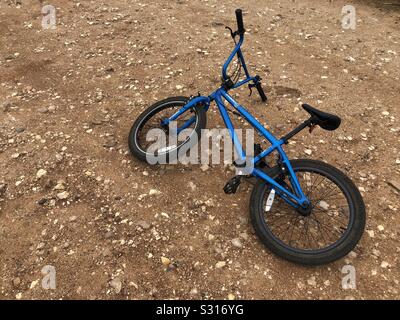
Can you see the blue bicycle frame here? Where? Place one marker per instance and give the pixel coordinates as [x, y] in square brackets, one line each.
[295, 199]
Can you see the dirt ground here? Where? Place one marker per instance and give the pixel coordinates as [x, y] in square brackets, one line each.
[72, 196]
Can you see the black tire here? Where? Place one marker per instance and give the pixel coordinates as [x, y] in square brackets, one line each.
[200, 123]
[333, 252]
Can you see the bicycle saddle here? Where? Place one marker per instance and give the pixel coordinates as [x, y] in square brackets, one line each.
[325, 120]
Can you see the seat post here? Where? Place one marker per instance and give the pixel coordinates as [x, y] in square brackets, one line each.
[296, 130]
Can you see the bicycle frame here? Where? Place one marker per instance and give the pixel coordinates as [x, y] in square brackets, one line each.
[295, 199]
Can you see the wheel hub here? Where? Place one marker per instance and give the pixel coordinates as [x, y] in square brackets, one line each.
[305, 210]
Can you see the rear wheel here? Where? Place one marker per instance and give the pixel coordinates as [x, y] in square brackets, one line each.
[327, 233]
[150, 140]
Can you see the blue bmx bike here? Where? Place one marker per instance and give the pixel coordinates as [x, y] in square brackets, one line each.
[305, 211]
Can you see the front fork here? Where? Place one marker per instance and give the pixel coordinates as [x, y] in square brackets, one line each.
[286, 170]
[199, 100]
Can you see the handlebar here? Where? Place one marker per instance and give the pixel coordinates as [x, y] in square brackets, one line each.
[239, 18]
[261, 92]
[237, 51]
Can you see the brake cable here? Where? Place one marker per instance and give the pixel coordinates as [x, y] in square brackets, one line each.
[237, 72]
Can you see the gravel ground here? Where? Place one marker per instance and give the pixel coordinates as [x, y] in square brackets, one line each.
[72, 197]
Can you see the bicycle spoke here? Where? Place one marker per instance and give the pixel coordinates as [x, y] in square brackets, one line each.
[291, 234]
[327, 222]
[155, 122]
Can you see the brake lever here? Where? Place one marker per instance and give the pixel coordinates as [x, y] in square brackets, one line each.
[253, 85]
[233, 34]
[250, 88]
[230, 29]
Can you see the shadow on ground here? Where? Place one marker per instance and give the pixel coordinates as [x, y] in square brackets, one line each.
[384, 5]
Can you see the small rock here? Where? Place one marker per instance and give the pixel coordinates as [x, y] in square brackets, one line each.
[142, 196]
[352, 254]
[384, 264]
[220, 264]
[43, 110]
[59, 186]
[154, 192]
[231, 296]
[16, 282]
[192, 186]
[63, 195]
[204, 167]
[40, 246]
[165, 261]
[308, 151]
[88, 173]
[165, 215]
[210, 203]
[19, 130]
[243, 220]
[41, 173]
[110, 144]
[301, 285]
[194, 292]
[42, 201]
[116, 283]
[349, 59]
[133, 284]
[96, 122]
[312, 282]
[244, 236]
[376, 252]
[323, 205]
[143, 224]
[237, 243]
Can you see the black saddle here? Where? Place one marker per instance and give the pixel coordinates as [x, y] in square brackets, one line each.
[325, 120]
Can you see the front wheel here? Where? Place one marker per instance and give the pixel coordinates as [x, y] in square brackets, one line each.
[153, 142]
[329, 232]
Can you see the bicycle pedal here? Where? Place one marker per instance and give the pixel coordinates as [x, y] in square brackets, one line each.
[232, 185]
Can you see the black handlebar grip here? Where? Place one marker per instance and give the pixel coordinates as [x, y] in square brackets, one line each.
[261, 92]
[239, 18]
